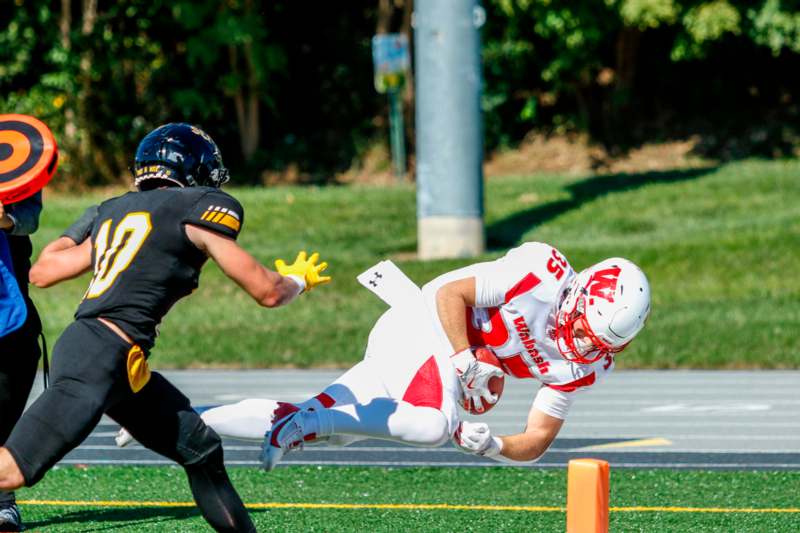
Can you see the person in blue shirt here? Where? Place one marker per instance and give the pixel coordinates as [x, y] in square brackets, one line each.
[19, 349]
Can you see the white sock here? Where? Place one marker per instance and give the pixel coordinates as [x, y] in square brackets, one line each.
[247, 420]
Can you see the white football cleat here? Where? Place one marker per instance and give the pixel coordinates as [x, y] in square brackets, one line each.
[123, 438]
[288, 433]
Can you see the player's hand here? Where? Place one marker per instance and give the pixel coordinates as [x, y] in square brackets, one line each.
[475, 437]
[474, 377]
[305, 268]
[5, 221]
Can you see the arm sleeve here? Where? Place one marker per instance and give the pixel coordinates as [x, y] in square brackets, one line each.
[25, 215]
[80, 230]
[553, 402]
[218, 212]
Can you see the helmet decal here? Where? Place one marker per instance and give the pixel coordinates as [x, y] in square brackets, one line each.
[603, 283]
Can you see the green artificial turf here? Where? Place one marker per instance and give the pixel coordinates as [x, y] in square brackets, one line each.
[718, 244]
[683, 500]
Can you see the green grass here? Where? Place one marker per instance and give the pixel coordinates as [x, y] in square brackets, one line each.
[420, 486]
[719, 245]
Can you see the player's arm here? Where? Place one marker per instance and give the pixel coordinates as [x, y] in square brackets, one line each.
[525, 447]
[545, 419]
[267, 287]
[61, 260]
[531, 444]
[483, 285]
[6, 222]
[452, 300]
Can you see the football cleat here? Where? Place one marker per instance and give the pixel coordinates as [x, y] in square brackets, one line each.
[288, 433]
[10, 519]
[282, 410]
[123, 438]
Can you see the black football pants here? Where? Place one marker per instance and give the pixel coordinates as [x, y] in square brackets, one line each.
[89, 377]
[19, 357]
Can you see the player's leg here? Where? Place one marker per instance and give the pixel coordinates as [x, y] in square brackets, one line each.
[246, 420]
[160, 417]
[401, 391]
[18, 364]
[391, 357]
[416, 408]
[382, 418]
[252, 418]
[87, 362]
[21, 354]
[365, 381]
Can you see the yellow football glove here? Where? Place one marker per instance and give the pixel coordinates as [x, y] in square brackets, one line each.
[305, 268]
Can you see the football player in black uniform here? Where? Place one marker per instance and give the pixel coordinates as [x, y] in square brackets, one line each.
[146, 249]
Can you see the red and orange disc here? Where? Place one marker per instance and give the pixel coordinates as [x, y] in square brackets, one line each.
[28, 157]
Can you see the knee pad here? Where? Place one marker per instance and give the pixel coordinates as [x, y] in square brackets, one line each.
[426, 427]
[196, 441]
[437, 431]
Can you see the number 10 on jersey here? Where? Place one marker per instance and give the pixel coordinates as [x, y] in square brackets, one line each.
[111, 259]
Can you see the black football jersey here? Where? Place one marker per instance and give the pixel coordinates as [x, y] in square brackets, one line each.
[143, 260]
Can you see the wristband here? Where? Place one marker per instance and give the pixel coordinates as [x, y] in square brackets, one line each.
[461, 360]
[494, 448]
[301, 282]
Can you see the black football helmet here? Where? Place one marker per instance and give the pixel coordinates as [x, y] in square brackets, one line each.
[178, 154]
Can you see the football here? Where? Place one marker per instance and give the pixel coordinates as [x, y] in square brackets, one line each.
[496, 384]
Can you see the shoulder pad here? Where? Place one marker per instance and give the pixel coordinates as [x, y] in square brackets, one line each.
[217, 211]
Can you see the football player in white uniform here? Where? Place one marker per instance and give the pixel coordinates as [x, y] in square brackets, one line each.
[542, 320]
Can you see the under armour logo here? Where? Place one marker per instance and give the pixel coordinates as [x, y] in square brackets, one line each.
[376, 276]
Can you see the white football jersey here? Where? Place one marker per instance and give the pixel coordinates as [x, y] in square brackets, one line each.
[516, 298]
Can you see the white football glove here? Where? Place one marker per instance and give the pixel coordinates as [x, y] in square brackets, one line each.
[474, 376]
[475, 437]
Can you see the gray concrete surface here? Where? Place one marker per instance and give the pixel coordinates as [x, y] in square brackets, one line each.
[652, 419]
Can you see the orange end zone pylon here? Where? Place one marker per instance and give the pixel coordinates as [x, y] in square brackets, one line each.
[587, 496]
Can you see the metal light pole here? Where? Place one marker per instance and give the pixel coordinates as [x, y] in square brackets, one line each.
[397, 133]
[449, 128]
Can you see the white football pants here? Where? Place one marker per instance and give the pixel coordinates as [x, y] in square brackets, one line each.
[405, 389]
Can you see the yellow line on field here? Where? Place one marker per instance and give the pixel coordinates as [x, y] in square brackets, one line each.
[404, 506]
[410, 507]
[279, 505]
[111, 503]
[630, 444]
[704, 510]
